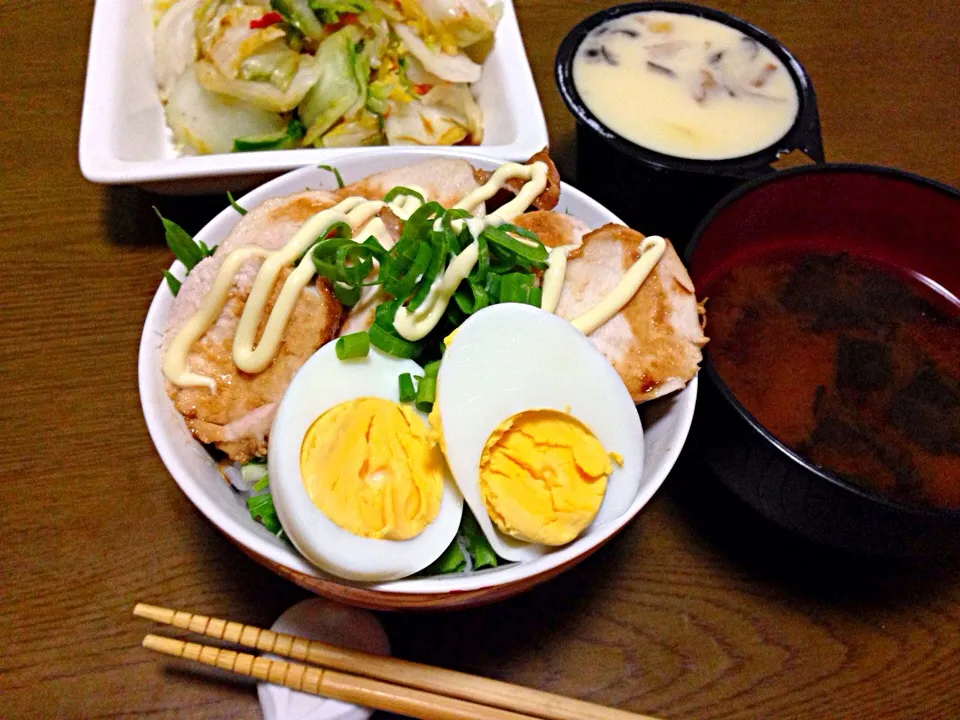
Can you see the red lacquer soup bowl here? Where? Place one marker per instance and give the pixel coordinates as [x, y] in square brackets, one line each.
[833, 401]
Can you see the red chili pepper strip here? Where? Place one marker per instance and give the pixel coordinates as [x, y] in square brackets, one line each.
[422, 89]
[342, 21]
[266, 20]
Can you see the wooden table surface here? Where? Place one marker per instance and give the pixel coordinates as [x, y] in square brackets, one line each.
[697, 610]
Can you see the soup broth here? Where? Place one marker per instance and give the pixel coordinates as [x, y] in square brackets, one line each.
[849, 365]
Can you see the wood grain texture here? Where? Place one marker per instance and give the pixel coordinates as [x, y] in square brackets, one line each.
[698, 610]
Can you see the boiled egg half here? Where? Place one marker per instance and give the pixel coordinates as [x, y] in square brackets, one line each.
[539, 431]
[358, 480]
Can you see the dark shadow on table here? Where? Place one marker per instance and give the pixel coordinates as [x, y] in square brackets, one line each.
[478, 639]
[725, 526]
[130, 220]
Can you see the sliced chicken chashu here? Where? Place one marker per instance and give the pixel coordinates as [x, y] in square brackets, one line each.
[237, 417]
[445, 180]
[548, 199]
[553, 228]
[655, 341]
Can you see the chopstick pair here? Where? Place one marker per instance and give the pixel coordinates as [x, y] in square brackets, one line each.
[374, 681]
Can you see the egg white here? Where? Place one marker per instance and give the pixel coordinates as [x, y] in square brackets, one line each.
[509, 358]
[323, 382]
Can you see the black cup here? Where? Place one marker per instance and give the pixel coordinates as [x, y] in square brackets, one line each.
[661, 194]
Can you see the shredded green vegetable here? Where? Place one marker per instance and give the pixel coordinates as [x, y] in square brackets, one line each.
[182, 245]
[401, 190]
[184, 248]
[469, 548]
[172, 282]
[336, 173]
[235, 205]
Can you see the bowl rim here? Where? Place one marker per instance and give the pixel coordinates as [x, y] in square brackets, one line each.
[714, 375]
[804, 134]
[374, 594]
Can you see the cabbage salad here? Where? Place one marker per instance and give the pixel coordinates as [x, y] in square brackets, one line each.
[242, 75]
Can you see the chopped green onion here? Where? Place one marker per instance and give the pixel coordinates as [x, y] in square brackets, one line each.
[401, 190]
[345, 263]
[261, 484]
[376, 249]
[451, 561]
[235, 205]
[408, 393]
[347, 294]
[384, 314]
[254, 473]
[352, 346]
[184, 247]
[362, 266]
[330, 168]
[536, 296]
[533, 256]
[471, 302]
[522, 232]
[515, 287]
[454, 214]
[426, 394]
[262, 510]
[431, 369]
[172, 282]
[390, 344]
[492, 288]
[479, 272]
[433, 271]
[400, 282]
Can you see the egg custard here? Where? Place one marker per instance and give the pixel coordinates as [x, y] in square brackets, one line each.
[370, 466]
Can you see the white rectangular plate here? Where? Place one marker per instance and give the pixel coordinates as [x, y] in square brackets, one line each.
[124, 138]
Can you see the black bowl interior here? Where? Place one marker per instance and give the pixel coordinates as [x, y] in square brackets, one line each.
[804, 135]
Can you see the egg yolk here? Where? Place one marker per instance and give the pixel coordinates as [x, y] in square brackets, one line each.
[542, 476]
[371, 466]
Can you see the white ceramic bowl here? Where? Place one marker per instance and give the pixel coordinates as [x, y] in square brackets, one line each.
[666, 423]
[124, 137]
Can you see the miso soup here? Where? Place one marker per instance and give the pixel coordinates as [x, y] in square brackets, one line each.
[850, 365]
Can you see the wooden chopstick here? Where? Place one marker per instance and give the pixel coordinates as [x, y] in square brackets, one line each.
[450, 683]
[332, 684]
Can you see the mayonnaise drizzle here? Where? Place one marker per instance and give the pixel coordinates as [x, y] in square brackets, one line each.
[357, 212]
[175, 359]
[536, 176]
[416, 325]
[553, 276]
[651, 250]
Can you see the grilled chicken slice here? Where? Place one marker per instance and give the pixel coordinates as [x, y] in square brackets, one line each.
[237, 417]
[655, 341]
[446, 181]
[547, 200]
[553, 228]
